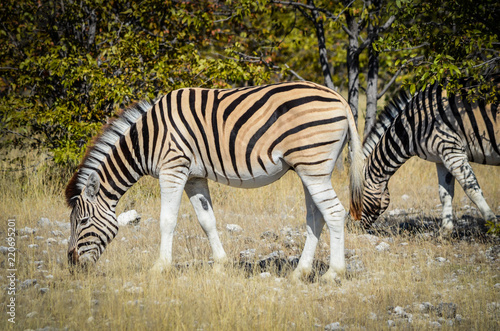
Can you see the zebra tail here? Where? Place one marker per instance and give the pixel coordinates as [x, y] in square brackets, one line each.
[356, 170]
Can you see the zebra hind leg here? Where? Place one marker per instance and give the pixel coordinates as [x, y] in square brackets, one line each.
[333, 213]
[461, 169]
[199, 195]
[446, 193]
[315, 224]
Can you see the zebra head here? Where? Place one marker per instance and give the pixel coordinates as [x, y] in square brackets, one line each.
[376, 199]
[93, 225]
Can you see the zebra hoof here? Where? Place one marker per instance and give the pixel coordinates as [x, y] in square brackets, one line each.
[161, 267]
[298, 275]
[331, 277]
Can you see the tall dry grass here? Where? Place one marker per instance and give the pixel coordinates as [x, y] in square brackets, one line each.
[121, 294]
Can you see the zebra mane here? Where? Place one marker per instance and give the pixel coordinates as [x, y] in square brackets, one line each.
[395, 107]
[100, 146]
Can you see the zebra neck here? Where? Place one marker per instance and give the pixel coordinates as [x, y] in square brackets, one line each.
[387, 157]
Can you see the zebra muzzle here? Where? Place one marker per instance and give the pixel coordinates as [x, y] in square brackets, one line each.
[73, 257]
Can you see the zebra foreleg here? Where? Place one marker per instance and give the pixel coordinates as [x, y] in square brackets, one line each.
[199, 195]
[460, 168]
[171, 185]
[446, 193]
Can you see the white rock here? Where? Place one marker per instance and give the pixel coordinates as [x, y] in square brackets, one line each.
[27, 230]
[4, 249]
[382, 247]
[441, 259]
[129, 217]
[247, 254]
[51, 241]
[399, 311]
[43, 222]
[265, 275]
[405, 197]
[234, 228]
[333, 326]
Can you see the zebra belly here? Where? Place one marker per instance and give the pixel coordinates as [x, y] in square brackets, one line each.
[246, 180]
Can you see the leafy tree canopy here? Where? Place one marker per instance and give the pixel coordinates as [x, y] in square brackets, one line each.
[67, 66]
[446, 40]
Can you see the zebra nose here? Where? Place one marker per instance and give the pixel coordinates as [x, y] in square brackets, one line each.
[73, 256]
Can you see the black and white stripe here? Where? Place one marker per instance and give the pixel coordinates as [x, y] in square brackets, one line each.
[449, 130]
[245, 137]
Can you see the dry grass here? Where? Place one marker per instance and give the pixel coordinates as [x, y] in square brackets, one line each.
[121, 294]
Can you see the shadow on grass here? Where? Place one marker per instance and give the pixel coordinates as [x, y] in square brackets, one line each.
[466, 227]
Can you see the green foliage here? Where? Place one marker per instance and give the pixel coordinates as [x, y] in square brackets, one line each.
[493, 228]
[444, 41]
[68, 66]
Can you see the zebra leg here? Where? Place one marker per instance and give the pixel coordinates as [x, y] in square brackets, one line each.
[171, 185]
[333, 213]
[315, 224]
[199, 195]
[460, 168]
[446, 193]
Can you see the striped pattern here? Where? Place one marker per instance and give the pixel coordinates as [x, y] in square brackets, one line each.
[448, 130]
[245, 137]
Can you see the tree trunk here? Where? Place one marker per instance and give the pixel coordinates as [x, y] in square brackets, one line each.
[353, 64]
[320, 35]
[371, 91]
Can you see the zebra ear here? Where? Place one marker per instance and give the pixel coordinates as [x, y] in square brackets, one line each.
[93, 185]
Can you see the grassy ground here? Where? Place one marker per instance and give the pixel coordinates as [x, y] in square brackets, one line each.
[407, 285]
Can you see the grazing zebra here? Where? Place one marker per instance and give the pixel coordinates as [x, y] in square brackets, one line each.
[447, 130]
[244, 137]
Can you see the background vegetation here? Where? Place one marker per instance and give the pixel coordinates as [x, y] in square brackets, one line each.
[67, 66]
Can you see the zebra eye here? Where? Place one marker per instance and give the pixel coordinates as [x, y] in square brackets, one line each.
[84, 220]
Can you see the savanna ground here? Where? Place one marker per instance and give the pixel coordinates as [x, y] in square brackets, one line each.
[402, 275]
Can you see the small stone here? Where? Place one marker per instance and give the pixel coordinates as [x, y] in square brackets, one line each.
[234, 228]
[405, 197]
[130, 217]
[247, 254]
[372, 316]
[63, 242]
[425, 307]
[32, 246]
[38, 238]
[382, 247]
[51, 241]
[43, 222]
[441, 259]
[447, 310]
[32, 314]
[497, 286]
[57, 233]
[270, 235]
[63, 225]
[265, 275]
[333, 326]
[44, 290]
[435, 325]
[90, 319]
[399, 311]
[391, 323]
[4, 249]
[27, 230]
[28, 282]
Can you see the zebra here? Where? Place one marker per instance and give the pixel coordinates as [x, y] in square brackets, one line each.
[449, 130]
[243, 137]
